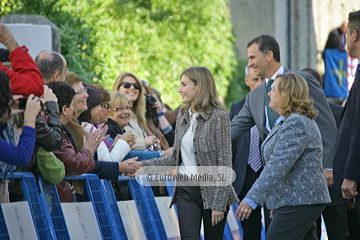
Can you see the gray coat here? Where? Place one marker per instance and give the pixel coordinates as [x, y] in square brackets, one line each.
[212, 147]
[293, 175]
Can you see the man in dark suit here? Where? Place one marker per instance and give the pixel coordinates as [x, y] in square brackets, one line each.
[347, 154]
[264, 57]
[335, 213]
[337, 39]
[241, 155]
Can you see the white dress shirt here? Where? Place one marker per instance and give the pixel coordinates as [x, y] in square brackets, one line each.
[187, 148]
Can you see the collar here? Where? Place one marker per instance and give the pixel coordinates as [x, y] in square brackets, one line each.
[279, 120]
[188, 114]
[191, 114]
[279, 71]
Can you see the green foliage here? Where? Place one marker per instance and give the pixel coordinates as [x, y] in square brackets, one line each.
[158, 39]
[237, 90]
[155, 39]
[76, 41]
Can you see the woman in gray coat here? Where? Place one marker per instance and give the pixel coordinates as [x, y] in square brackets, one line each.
[292, 182]
[202, 138]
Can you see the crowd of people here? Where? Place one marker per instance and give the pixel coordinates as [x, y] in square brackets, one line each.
[294, 154]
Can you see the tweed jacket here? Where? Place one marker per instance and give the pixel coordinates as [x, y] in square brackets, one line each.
[212, 147]
[293, 175]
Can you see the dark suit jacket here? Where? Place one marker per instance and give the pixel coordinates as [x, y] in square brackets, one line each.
[253, 113]
[334, 40]
[336, 197]
[240, 151]
[336, 111]
[347, 154]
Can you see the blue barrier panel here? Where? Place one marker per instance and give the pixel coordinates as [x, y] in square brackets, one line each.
[152, 207]
[52, 199]
[227, 233]
[4, 234]
[103, 213]
[40, 214]
[152, 224]
[114, 208]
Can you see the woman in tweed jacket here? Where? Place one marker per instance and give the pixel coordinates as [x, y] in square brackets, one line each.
[202, 138]
[292, 182]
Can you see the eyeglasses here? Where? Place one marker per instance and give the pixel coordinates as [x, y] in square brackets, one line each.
[82, 91]
[128, 85]
[106, 105]
[122, 109]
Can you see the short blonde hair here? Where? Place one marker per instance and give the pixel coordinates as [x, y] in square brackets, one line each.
[138, 107]
[295, 94]
[118, 99]
[207, 97]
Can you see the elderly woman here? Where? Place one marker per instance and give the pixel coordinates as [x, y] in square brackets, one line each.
[292, 182]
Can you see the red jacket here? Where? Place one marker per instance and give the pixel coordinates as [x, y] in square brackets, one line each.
[25, 78]
[76, 163]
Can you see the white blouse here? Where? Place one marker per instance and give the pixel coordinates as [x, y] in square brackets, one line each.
[187, 148]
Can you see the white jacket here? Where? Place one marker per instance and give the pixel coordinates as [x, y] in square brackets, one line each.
[118, 152]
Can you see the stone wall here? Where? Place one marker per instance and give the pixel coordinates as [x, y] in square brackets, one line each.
[301, 27]
[37, 32]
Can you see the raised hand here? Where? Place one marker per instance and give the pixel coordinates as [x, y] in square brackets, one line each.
[48, 95]
[127, 137]
[7, 38]
[33, 108]
[94, 138]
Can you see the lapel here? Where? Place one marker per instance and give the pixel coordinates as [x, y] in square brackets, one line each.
[258, 104]
[271, 134]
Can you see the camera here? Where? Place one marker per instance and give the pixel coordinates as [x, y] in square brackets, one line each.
[150, 100]
[22, 103]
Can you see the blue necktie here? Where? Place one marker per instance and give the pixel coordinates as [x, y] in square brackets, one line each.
[254, 156]
[357, 70]
[271, 114]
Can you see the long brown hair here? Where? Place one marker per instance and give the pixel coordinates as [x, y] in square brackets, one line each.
[138, 107]
[207, 97]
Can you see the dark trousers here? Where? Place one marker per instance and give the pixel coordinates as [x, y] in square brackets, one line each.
[335, 218]
[190, 213]
[295, 222]
[252, 225]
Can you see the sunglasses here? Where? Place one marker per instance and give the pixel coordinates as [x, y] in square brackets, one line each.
[106, 105]
[128, 85]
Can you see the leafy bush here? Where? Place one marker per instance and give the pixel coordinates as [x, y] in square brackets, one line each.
[155, 39]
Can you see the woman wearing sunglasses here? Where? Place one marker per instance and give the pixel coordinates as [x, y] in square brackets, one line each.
[130, 85]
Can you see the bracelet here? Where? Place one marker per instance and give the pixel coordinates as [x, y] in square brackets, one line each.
[8, 41]
[160, 114]
[29, 121]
